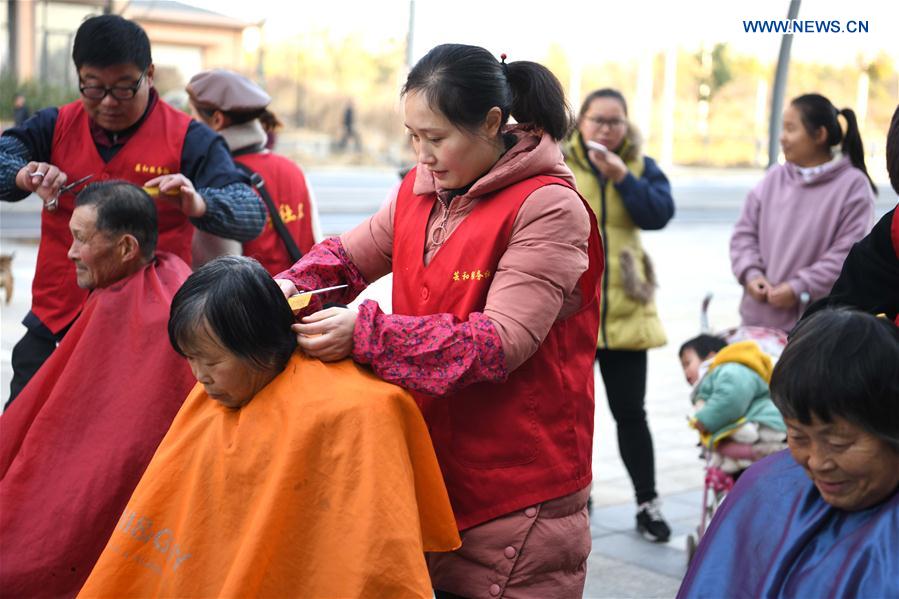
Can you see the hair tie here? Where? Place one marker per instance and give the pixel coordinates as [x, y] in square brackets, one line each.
[502, 63]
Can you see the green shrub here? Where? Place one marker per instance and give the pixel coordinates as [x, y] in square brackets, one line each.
[37, 94]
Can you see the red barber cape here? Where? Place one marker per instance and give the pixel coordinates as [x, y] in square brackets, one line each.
[287, 187]
[153, 150]
[501, 447]
[77, 439]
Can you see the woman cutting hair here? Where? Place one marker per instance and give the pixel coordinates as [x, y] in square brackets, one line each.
[496, 262]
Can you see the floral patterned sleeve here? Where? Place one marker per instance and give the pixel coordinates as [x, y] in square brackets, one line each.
[326, 265]
[434, 354]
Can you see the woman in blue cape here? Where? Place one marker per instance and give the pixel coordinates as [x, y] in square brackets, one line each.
[821, 520]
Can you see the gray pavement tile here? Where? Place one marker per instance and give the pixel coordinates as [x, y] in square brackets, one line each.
[601, 530]
[680, 528]
[660, 558]
[679, 479]
[615, 517]
[679, 455]
[682, 515]
[680, 510]
[691, 497]
[608, 578]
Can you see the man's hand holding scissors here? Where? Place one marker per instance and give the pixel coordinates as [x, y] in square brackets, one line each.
[44, 179]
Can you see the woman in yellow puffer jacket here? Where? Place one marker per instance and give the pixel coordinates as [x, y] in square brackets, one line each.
[628, 192]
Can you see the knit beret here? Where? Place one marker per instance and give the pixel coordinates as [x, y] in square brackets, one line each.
[224, 90]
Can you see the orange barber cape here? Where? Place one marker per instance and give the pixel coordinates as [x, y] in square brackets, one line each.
[324, 485]
[75, 442]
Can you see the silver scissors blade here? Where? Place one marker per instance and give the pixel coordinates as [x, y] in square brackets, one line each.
[322, 290]
[66, 188]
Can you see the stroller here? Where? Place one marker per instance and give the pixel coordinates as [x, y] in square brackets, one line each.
[717, 482]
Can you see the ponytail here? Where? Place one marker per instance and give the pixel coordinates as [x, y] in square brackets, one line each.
[538, 98]
[817, 111]
[852, 144]
[464, 82]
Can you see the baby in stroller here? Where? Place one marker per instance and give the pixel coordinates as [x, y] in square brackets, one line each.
[733, 412]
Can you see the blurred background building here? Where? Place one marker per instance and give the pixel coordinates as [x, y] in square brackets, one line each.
[36, 40]
[37, 36]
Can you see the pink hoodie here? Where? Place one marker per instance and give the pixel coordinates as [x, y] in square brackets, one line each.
[798, 232]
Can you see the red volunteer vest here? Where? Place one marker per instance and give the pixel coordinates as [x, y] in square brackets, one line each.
[501, 447]
[287, 187]
[155, 149]
[894, 231]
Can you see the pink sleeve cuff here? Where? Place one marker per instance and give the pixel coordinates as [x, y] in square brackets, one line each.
[751, 273]
[435, 354]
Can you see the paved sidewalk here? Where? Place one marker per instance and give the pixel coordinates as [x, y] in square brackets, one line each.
[623, 564]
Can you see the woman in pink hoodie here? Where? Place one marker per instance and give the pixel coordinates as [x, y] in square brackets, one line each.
[496, 263]
[800, 221]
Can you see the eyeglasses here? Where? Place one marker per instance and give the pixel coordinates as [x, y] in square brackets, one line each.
[610, 123]
[119, 92]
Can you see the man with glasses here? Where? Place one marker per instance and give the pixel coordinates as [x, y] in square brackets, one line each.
[120, 129]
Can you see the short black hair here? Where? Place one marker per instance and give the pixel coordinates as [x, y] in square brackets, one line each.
[107, 40]
[841, 363]
[703, 345]
[464, 82]
[606, 92]
[237, 300]
[123, 208]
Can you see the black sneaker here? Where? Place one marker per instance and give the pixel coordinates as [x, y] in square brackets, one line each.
[650, 522]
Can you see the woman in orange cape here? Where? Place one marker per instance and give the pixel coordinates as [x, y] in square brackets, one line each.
[281, 475]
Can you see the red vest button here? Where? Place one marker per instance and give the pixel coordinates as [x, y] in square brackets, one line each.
[425, 293]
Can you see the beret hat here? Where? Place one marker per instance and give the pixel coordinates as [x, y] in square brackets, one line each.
[224, 90]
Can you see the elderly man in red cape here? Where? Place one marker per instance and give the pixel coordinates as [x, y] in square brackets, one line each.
[77, 440]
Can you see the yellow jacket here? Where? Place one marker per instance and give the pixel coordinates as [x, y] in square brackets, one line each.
[629, 318]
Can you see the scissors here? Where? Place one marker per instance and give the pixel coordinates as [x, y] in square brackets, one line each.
[301, 300]
[53, 202]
